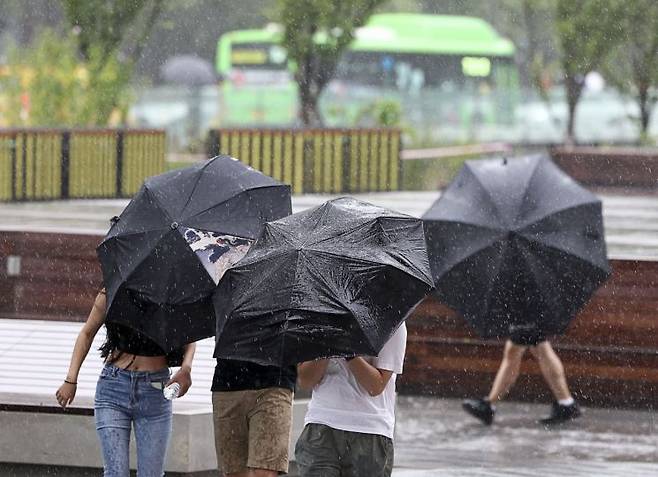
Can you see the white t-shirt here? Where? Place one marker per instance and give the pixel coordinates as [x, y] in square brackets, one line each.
[339, 401]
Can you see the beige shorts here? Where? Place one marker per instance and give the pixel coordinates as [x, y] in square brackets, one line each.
[252, 429]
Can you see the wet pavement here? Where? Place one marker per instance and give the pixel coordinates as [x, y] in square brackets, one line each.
[434, 437]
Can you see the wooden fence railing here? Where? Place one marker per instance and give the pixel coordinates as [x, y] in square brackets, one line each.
[317, 160]
[42, 164]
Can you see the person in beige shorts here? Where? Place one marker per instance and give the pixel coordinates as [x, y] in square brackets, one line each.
[252, 416]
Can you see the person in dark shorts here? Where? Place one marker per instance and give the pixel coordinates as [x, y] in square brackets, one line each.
[564, 408]
[350, 420]
[252, 416]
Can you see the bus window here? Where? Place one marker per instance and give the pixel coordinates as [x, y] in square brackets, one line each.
[263, 56]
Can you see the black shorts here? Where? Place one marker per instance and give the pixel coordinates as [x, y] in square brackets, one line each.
[523, 337]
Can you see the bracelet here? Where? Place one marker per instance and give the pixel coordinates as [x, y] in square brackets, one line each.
[70, 382]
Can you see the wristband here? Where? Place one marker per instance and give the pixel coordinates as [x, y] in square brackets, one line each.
[70, 382]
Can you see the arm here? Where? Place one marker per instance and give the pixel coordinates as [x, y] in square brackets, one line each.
[66, 391]
[373, 380]
[311, 373]
[184, 375]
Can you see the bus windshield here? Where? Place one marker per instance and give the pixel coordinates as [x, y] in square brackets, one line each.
[260, 56]
[411, 72]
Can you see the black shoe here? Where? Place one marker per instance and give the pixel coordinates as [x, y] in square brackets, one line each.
[560, 414]
[479, 408]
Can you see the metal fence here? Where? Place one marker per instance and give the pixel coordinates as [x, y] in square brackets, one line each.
[42, 164]
[317, 160]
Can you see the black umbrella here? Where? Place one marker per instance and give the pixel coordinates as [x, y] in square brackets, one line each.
[335, 280]
[155, 281]
[516, 244]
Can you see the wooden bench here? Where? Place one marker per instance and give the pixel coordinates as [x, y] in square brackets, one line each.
[612, 167]
[610, 352]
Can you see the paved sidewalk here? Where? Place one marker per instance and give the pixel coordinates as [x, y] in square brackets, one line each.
[434, 437]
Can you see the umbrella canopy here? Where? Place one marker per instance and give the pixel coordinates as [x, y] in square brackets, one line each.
[516, 244]
[335, 280]
[188, 70]
[164, 255]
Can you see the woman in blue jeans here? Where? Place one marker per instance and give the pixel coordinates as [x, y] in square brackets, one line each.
[129, 393]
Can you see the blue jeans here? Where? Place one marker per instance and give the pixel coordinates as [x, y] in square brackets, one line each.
[132, 397]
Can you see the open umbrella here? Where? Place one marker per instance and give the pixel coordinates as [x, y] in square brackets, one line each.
[516, 244]
[335, 280]
[164, 255]
[188, 70]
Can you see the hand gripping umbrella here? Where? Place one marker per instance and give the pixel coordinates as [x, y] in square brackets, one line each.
[516, 245]
[335, 280]
[163, 256]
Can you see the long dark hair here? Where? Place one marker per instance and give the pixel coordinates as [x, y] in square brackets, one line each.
[114, 334]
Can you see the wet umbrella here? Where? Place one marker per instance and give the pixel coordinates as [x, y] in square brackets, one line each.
[163, 256]
[335, 280]
[516, 244]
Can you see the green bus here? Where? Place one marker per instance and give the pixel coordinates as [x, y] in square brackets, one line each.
[454, 76]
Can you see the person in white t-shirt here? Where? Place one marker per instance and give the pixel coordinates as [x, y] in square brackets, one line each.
[350, 420]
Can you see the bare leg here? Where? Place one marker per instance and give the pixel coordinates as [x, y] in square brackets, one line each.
[508, 371]
[552, 369]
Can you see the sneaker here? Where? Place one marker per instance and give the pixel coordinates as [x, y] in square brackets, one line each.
[481, 409]
[560, 414]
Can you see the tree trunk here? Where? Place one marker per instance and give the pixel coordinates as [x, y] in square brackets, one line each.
[574, 90]
[645, 110]
[309, 113]
[308, 97]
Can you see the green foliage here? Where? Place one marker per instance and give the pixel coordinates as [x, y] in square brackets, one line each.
[382, 113]
[47, 85]
[587, 30]
[316, 33]
[633, 66]
[109, 48]
[430, 174]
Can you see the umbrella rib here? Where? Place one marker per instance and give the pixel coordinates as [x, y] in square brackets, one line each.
[130, 234]
[526, 190]
[528, 259]
[553, 247]
[367, 223]
[559, 211]
[124, 278]
[157, 201]
[196, 184]
[232, 197]
[476, 251]
[408, 263]
[461, 221]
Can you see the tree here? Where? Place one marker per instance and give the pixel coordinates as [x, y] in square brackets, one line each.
[110, 36]
[316, 33]
[634, 69]
[43, 84]
[587, 30]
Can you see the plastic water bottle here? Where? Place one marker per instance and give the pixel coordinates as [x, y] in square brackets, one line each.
[171, 391]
